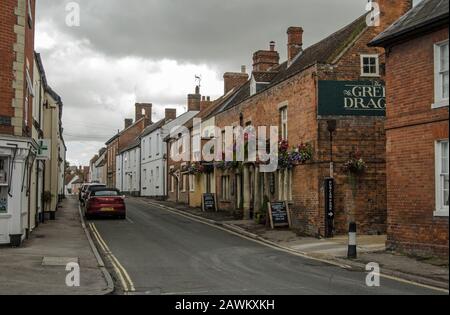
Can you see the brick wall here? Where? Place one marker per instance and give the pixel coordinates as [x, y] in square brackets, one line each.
[412, 129]
[7, 40]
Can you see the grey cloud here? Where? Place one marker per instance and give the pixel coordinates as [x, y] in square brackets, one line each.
[200, 31]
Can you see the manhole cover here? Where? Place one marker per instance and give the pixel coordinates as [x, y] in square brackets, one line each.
[58, 261]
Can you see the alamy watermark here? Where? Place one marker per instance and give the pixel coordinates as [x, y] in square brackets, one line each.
[373, 275]
[229, 144]
[73, 18]
[73, 277]
[373, 17]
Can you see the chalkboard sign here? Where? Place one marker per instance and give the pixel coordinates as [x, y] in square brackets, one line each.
[279, 214]
[209, 203]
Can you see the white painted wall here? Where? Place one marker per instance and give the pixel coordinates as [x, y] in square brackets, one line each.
[128, 170]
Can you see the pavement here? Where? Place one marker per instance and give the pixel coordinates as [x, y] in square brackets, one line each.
[371, 248]
[38, 267]
[164, 251]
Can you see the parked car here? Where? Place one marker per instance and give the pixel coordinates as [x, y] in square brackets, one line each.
[87, 190]
[105, 202]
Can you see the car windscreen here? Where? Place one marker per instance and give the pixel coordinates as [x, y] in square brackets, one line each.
[93, 187]
[105, 193]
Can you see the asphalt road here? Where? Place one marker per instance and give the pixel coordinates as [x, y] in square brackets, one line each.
[164, 253]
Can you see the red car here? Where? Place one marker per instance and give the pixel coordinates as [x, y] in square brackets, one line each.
[105, 202]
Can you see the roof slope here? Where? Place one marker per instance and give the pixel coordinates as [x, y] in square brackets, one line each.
[426, 13]
[324, 52]
[153, 127]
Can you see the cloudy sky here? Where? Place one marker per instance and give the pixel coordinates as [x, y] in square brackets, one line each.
[150, 51]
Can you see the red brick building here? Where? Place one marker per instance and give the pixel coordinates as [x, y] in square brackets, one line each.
[131, 131]
[335, 84]
[417, 80]
[17, 148]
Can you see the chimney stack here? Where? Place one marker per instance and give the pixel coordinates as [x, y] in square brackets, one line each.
[170, 114]
[392, 10]
[233, 80]
[295, 42]
[143, 110]
[206, 101]
[263, 60]
[128, 122]
[194, 100]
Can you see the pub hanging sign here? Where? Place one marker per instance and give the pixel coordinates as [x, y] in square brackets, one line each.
[352, 98]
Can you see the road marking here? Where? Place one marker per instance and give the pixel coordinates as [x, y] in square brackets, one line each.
[129, 220]
[290, 251]
[124, 277]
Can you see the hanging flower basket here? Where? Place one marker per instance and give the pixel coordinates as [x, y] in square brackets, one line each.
[289, 158]
[196, 168]
[355, 165]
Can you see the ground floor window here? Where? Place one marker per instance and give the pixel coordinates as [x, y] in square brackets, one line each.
[171, 181]
[442, 177]
[184, 183]
[226, 188]
[192, 183]
[4, 170]
[3, 199]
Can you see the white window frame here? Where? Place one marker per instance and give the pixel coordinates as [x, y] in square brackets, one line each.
[184, 178]
[191, 182]
[438, 100]
[377, 65]
[441, 210]
[225, 185]
[284, 115]
[172, 180]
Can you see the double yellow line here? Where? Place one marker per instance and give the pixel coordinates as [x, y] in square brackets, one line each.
[123, 275]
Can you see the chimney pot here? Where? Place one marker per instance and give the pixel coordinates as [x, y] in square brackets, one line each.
[243, 69]
[272, 46]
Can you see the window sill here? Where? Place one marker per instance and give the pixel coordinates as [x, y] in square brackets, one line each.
[225, 201]
[5, 216]
[441, 213]
[440, 104]
[367, 75]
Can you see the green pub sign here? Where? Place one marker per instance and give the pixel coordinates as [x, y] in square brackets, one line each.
[352, 98]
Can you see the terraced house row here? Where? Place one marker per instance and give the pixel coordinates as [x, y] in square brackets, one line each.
[342, 157]
[32, 148]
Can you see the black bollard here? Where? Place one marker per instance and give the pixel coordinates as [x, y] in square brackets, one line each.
[352, 241]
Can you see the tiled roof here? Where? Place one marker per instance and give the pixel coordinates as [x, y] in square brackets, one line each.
[136, 142]
[323, 52]
[153, 127]
[264, 76]
[424, 14]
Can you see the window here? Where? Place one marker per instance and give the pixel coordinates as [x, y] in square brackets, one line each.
[157, 173]
[172, 180]
[184, 182]
[4, 161]
[150, 148]
[191, 182]
[442, 178]
[30, 15]
[143, 149]
[370, 66]
[157, 144]
[441, 75]
[226, 188]
[284, 122]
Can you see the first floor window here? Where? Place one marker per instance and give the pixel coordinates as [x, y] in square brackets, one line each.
[226, 188]
[442, 177]
[441, 74]
[3, 199]
[284, 123]
[370, 66]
